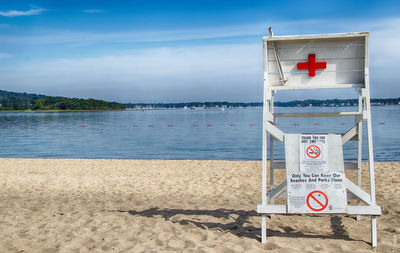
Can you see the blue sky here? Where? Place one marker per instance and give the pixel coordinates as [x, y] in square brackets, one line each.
[176, 51]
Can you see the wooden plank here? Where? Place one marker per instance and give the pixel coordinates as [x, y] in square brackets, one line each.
[360, 193]
[374, 232]
[364, 210]
[352, 210]
[317, 114]
[274, 131]
[269, 209]
[333, 66]
[343, 67]
[349, 134]
[317, 36]
[266, 109]
[275, 192]
[339, 79]
[268, 117]
[319, 86]
[278, 164]
[359, 146]
[333, 55]
[350, 165]
[351, 196]
[263, 229]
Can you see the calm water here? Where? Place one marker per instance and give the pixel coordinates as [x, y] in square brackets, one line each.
[232, 134]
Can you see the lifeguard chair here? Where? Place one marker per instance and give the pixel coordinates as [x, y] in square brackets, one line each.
[315, 179]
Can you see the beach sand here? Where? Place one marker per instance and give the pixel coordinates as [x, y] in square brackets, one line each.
[73, 205]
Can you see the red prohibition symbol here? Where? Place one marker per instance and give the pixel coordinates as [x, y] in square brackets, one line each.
[313, 151]
[320, 201]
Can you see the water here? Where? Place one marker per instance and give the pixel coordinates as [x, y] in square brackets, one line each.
[232, 134]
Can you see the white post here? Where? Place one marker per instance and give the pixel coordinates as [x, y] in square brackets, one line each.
[264, 184]
[359, 147]
[374, 234]
[264, 151]
[271, 158]
[263, 229]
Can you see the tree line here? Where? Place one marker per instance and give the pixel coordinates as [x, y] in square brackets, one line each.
[23, 101]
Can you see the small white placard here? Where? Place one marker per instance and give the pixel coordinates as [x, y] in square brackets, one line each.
[322, 192]
[313, 153]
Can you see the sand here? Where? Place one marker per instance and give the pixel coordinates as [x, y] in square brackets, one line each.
[72, 205]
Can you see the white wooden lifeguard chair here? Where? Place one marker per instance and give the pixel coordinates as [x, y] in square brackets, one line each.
[315, 179]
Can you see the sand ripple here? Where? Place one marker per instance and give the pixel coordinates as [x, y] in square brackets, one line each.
[70, 205]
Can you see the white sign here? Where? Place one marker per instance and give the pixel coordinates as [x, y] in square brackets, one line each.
[315, 62]
[322, 192]
[315, 177]
[313, 153]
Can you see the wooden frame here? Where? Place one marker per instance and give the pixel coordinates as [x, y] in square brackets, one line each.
[272, 133]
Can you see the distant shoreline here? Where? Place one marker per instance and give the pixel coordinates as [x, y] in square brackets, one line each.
[16, 102]
[182, 108]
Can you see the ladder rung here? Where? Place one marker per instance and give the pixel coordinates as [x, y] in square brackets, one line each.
[317, 114]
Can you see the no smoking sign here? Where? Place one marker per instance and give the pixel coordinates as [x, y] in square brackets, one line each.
[313, 151]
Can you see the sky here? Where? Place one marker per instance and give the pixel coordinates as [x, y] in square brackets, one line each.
[177, 51]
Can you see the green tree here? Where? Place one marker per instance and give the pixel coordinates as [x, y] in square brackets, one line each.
[39, 104]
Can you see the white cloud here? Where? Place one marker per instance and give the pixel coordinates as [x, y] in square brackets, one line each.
[93, 11]
[162, 74]
[385, 50]
[15, 13]
[219, 72]
[46, 36]
[5, 55]
[384, 34]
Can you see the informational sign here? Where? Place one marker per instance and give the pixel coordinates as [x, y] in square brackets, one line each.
[316, 184]
[313, 153]
[316, 193]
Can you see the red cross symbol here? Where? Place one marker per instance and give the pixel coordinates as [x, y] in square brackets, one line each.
[311, 65]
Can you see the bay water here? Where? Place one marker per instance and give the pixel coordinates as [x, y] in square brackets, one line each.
[207, 134]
